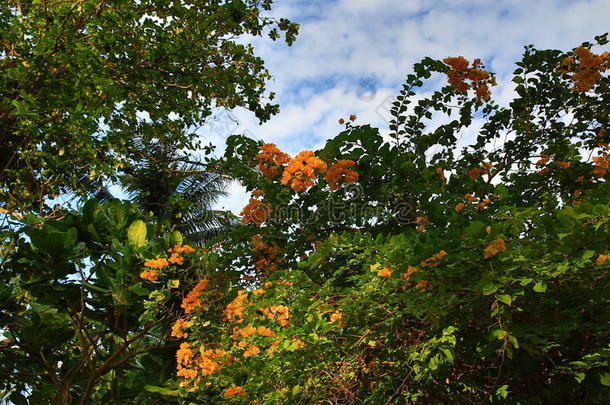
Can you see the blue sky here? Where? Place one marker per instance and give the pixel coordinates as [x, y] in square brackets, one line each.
[351, 56]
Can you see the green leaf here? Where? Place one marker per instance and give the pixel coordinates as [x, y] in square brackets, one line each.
[489, 289]
[540, 287]
[504, 298]
[605, 379]
[162, 390]
[136, 233]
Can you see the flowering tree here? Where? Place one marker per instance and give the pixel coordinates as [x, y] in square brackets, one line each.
[411, 271]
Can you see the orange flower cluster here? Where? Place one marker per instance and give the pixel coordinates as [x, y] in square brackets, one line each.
[178, 328]
[150, 275]
[494, 248]
[421, 222]
[156, 263]
[252, 351]
[234, 312]
[205, 364]
[181, 249]
[267, 255]
[459, 207]
[234, 390]
[270, 159]
[302, 170]
[543, 160]
[192, 301]
[410, 271]
[184, 360]
[601, 259]
[441, 174]
[385, 272]
[589, 69]
[272, 348]
[277, 313]
[432, 261]
[335, 316]
[563, 165]
[459, 72]
[340, 171]
[176, 259]
[602, 164]
[255, 211]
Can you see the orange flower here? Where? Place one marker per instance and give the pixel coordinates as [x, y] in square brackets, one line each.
[184, 359]
[441, 174]
[150, 275]
[267, 259]
[252, 351]
[482, 92]
[494, 248]
[340, 171]
[563, 165]
[460, 72]
[601, 259]
[181, 249]
[255, 211]
[431, 261]
[588, 70]
[420, 220]
[385, 272]
[234, 312]
[156, 263]
[178, 328]
[264, 331]
[302, 170]
[277, 313]
[602, 164]
[410, 271]
[234, 390]
[272, 347]
[192, 300]
[270, 159]
[470, 197]
[458, 63]
[335, 316]
[542, 161]
[459, 207]
[176, 259]
[352, 117]
[475, 173]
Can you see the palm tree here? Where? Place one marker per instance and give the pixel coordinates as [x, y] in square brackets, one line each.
[177, 189]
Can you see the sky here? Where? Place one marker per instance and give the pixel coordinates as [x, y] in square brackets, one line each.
[351, 57]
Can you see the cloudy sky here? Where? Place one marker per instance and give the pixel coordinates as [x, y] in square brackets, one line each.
[351, 56]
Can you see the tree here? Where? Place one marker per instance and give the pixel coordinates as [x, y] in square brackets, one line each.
[81, 79]
[412, 272]
[176, 188]
[80, 83]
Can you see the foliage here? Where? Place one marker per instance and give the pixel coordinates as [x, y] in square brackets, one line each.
[83, 86]
[76, 315]
[81, 80]
[418, 272]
